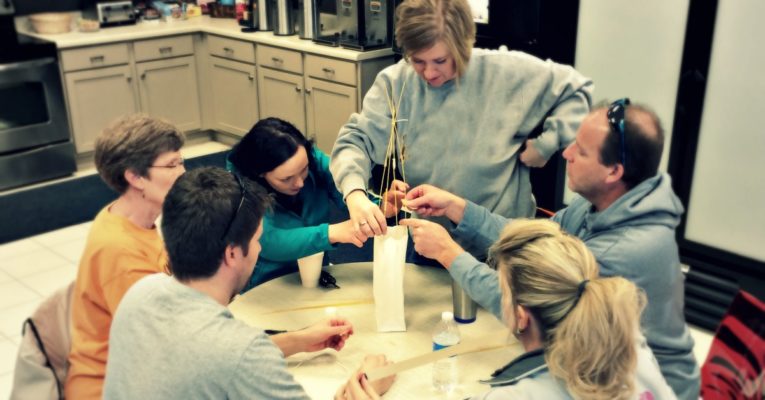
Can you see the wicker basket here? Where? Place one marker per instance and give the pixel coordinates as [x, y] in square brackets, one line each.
[48, 23]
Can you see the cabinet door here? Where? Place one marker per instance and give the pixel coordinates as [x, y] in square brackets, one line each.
[96, 98]
[328, 105]
[235, 95]
[281, 96]
[168, 90]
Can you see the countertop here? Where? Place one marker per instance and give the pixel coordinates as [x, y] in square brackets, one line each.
[219, 26]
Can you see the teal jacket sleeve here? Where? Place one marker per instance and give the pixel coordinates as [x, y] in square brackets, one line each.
[322, 170]
[289, 244]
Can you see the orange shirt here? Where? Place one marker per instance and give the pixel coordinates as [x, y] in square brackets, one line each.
[117, 254]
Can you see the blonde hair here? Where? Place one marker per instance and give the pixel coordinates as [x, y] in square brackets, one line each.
[133, 142]
[589, 328]
[420, 24]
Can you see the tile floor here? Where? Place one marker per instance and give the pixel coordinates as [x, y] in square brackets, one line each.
[32, 268]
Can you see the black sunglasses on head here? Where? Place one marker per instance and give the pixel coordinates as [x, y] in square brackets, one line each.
[615, 117]
[241, 201]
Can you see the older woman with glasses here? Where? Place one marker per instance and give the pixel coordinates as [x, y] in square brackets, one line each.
[139, 158]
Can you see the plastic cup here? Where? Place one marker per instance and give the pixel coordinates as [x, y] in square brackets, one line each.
[310, 269]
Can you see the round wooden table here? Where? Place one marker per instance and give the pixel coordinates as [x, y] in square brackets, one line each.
[284, 304]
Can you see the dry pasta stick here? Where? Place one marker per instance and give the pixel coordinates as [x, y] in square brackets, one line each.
[494, 341]
[393, 149]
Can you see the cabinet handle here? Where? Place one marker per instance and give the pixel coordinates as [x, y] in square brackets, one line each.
[228, 50]
[96, 59]
[129, 79]
[328, 70]
[143, 75]
[307, 91]
[166, 49]
[298, 89]
[277, 60]
[251, 77]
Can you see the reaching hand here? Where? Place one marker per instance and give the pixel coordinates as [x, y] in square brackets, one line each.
[433, 241]
[344, 232]
[531, 157]
[359, 388]
[393, 198]
[430, 201]
[331, 333]
[366, 216]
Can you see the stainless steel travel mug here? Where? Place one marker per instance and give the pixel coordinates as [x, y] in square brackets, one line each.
[464, 307]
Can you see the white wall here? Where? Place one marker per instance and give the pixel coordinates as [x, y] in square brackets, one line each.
[727, 204]
[633, 49]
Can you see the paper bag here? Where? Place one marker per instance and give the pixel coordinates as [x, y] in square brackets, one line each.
[388, 277]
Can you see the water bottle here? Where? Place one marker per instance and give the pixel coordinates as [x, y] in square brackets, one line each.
[446, 334]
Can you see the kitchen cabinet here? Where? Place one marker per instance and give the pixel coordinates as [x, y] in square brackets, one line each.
[103, 83]
[96, 98]
[99, 89]
[328, 106]
[233, 85]
[281, 96]
[235, 95]
[280, 84]
[316, 94]
[214, 81]
[168, 89]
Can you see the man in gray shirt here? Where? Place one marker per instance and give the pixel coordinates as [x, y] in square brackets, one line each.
[173, 337]
[627, 214]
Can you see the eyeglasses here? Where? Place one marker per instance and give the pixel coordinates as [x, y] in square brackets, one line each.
[615, 117]
[241, 201]
[173, 165]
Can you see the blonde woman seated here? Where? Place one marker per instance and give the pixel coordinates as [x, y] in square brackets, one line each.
[580, 332]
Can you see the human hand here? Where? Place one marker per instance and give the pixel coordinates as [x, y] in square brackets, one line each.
[531, 157]
[430, 201]
[374, 361]
[345, 232]
[366, 216]
[330, 333]
[433, 241]
[359, 388]
[393, 198]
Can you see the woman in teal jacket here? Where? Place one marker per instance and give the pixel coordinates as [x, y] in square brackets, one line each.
[275, 154]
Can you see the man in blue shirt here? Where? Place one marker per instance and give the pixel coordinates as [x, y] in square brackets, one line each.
[626, 214]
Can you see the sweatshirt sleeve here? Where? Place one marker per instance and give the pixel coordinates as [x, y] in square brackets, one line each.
[289, 244]
[479, 226]
[565, 97]
[363, 140]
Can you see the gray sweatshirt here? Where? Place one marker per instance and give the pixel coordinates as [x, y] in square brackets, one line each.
[633, 238]
[169, 341]
[465, 136]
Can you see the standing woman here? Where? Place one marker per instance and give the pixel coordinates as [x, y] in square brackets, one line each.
[464, 115]
[581, 333]
[279, 157]
[139, 158]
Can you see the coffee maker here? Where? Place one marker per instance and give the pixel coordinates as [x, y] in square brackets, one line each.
[356, 24]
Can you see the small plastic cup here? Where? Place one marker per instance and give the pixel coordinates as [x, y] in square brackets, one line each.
[310, 269]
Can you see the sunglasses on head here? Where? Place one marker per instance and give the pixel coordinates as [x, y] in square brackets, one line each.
[241, 201]
[615, 117]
